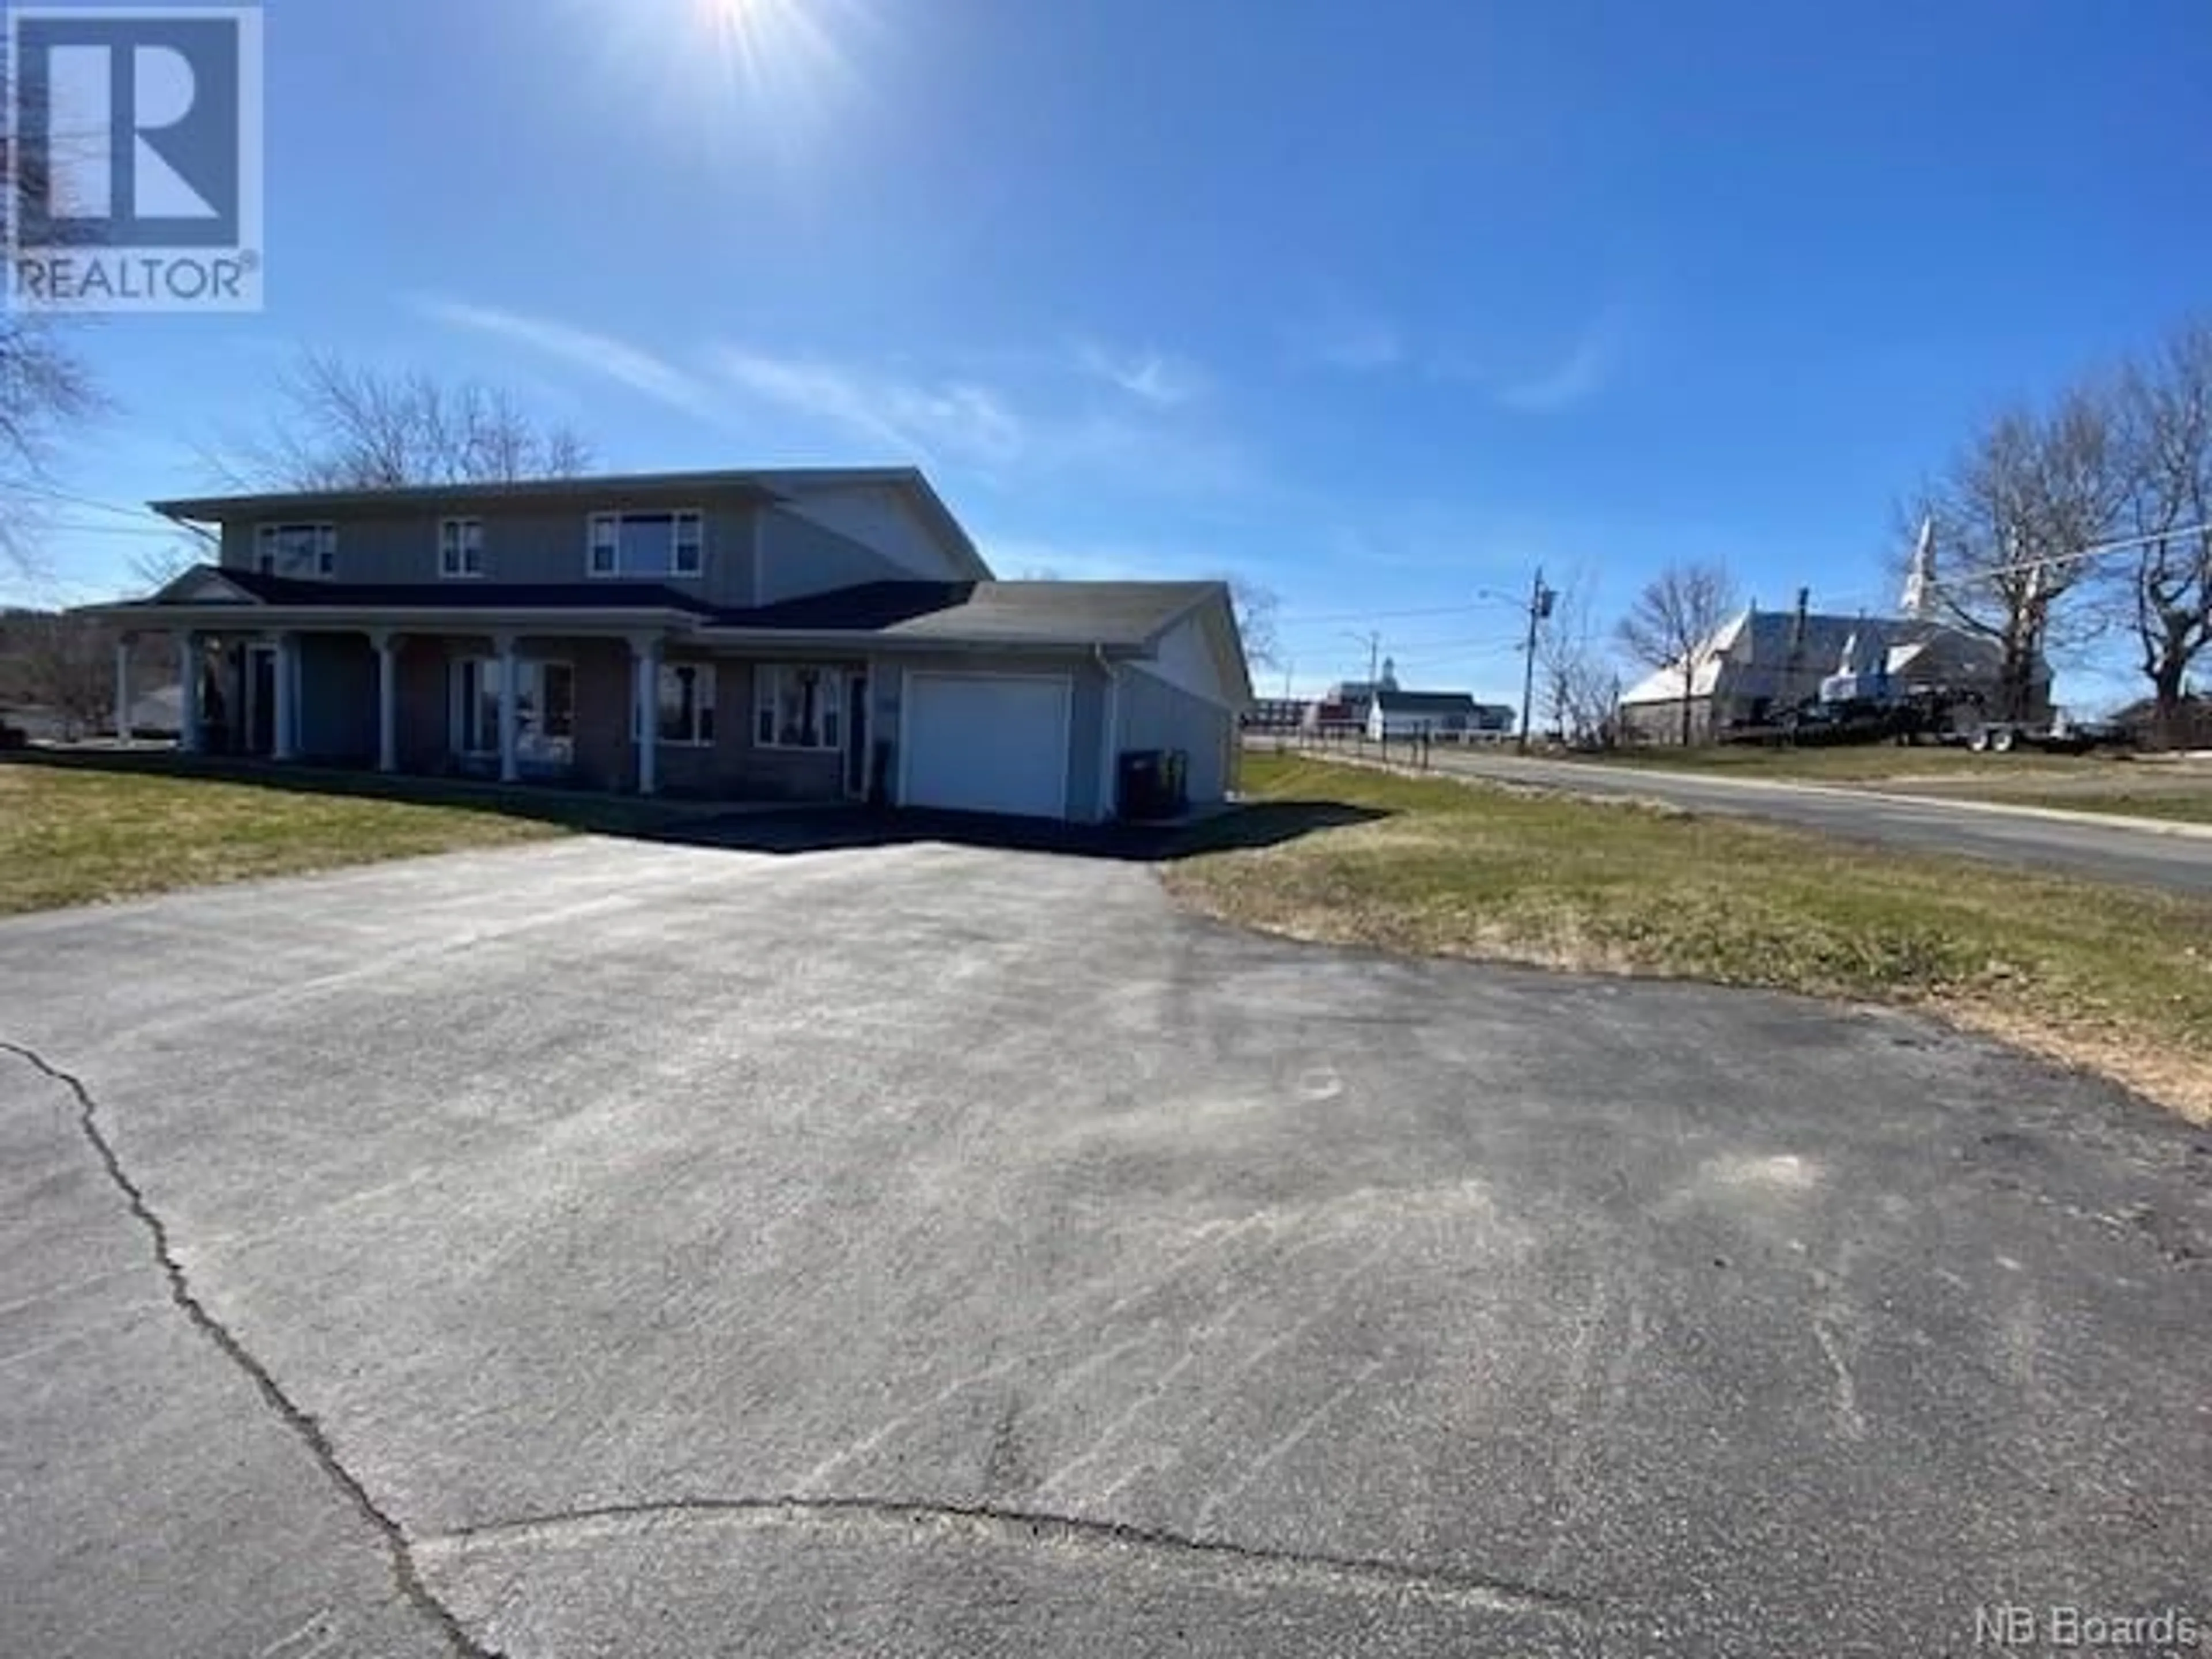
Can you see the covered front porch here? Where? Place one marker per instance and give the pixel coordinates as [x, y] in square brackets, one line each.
[558, 707]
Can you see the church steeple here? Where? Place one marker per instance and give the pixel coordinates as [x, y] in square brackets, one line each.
[1919, 603]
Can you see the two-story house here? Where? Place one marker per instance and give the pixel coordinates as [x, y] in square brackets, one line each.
[810, 634]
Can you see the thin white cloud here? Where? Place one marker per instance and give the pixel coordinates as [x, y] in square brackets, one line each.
[1576, 378]
[1034, 557]
[1151, 375]
[966, 424]
[953, 420]
[628, 365]
[1355, 345]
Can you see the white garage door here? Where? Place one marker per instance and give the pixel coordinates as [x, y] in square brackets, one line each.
[988, 742]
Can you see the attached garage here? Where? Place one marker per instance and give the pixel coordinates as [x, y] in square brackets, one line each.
[988, 742]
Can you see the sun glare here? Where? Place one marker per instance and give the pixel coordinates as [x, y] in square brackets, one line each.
[778, 49]
[727, 67]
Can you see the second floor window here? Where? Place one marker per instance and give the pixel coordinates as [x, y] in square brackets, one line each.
[646, 544]
[296, 549]
[460, 547]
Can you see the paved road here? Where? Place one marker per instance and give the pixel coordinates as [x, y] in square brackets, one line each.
[602, 1248]
[2104, 851]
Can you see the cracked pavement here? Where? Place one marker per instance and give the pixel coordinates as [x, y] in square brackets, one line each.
[608, 1248]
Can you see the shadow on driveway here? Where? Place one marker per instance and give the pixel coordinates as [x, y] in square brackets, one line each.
[753, 827]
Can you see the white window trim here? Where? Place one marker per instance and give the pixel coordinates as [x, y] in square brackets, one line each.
[457, 734]
[457, 574]
[326, 546]
[676, 515]
[836, 700]
[711, 700]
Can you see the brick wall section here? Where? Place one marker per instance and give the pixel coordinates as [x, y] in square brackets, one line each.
[606, 756]
[734, 768]
[422, 705]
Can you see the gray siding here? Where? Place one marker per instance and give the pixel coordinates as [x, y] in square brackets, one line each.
[798, 557]
[338, 698]
[528, 541]
[1154, 714]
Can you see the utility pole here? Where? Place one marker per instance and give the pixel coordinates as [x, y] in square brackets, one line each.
[1540, 607]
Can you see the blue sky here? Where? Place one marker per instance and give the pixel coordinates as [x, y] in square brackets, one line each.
[1378, 304]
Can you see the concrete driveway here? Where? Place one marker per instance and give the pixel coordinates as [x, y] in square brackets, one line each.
[610, 1248]
[2177, 857]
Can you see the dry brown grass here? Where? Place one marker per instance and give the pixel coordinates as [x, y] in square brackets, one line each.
[2115, 980]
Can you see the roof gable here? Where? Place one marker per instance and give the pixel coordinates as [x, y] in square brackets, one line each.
[204, 584]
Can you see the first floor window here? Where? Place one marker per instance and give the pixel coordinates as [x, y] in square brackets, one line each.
[687, 702]
[796, 706]
[296, 549]
[544, 710]
[460, 547]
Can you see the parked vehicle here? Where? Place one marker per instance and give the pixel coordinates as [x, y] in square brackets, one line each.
[2063, 735]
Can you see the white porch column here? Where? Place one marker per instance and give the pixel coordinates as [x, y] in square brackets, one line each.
[287, 696]
[190, 738]
[387, 699]
[646, 653]
[123, 690]
[510, 766]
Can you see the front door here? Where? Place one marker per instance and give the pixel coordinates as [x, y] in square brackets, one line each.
[856, 736]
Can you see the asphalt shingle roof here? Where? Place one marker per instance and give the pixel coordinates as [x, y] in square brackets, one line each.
[1044, 612]
[464, 595]
[1426, 703]
[991, 612]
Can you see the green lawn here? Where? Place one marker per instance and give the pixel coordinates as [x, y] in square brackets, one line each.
[2111, 978]
[74, 835]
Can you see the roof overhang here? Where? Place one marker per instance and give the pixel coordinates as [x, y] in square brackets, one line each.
[862, 640]
[674, 486]
[253, 616]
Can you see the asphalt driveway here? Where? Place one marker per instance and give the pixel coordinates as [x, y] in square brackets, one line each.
[602, 1248]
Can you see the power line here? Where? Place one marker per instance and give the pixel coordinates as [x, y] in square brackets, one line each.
[1428, 650]
[151, 523]
[1386, 615]
[149, 532]
[49, 493]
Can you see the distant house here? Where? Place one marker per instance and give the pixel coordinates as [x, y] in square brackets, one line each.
[1276, 713]
[1762, 662]
[1344, 706]
[2190, 728]
[1453, 716]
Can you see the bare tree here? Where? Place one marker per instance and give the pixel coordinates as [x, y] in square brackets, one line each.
[1256, 608]
[1580, 687]
[342, 426]
[155, 568]
[65, 663]
[1679, 610]
[46, 390]
[2164, 430]
[2023, 500]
